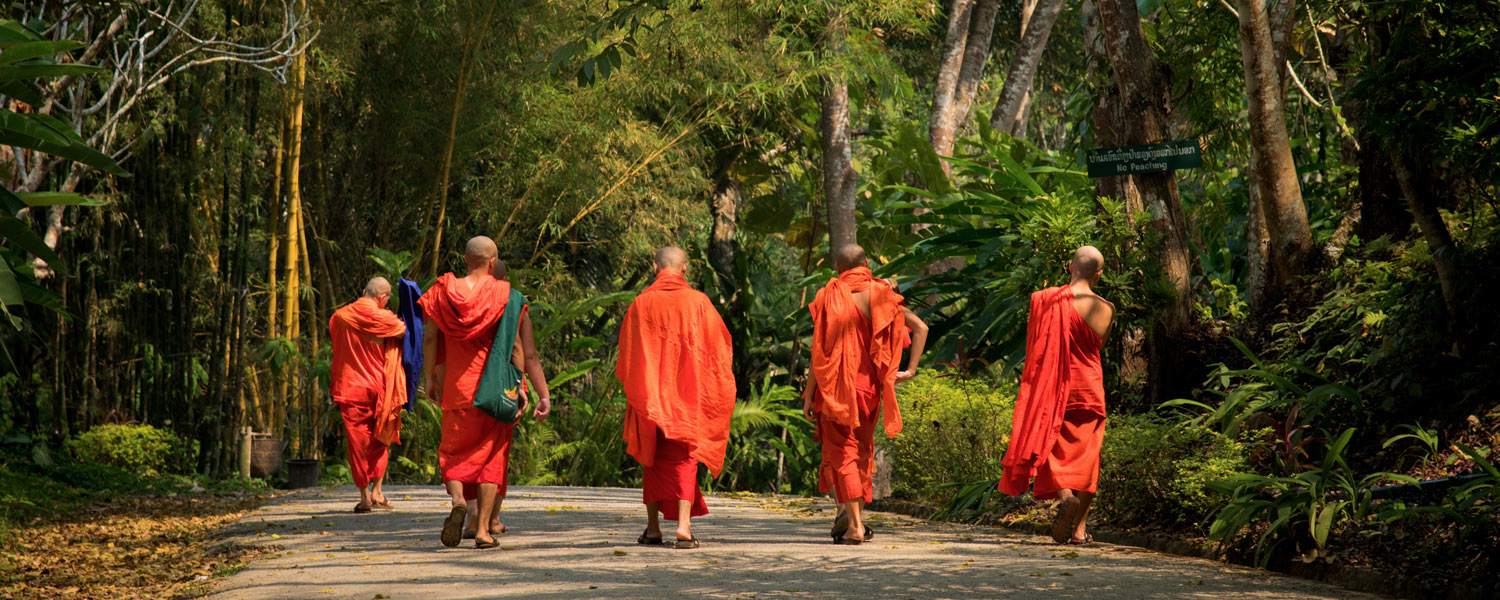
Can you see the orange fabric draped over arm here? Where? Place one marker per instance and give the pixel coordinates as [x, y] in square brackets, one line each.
[837, 350]
[1044, 388]
[350, 327]
[675, 363]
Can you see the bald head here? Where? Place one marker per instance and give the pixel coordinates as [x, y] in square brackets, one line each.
[848, 256]
[377, 286]
[479, 252]
[1088, 262]
[671, 257]
[379, 290]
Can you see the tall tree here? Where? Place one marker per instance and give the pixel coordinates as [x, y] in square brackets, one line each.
[1143, 85]
[966, 48]
[1280, 241]
[839, 178]
[1008, 115]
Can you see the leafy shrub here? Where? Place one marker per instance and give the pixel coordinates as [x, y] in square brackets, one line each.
[140, 449]
[1158, 473]
[954, 431]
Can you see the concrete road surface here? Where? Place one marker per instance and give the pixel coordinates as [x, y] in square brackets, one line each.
[580, 543]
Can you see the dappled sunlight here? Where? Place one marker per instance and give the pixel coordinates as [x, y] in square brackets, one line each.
[580, 543]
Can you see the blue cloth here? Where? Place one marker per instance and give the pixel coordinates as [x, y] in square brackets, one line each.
[411, 346]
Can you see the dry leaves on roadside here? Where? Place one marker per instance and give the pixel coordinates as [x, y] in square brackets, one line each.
[126, 548]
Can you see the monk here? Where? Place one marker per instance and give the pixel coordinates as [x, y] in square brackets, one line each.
[860, 328]
[368, 385]
[1059, 420]
[675, 363]
[463, 314]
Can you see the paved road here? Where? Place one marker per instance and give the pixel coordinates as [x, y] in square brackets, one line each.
[580, 543]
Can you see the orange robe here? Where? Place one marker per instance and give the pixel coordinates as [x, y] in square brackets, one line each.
[675, 364]
[854, 361]
[1058, 425]
[475, 446]
[367, 383]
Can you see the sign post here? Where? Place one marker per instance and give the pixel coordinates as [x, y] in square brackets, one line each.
[1148, 158]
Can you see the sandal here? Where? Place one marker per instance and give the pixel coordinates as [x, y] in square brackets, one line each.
[840, 525]
[493, 543]
[848, 541]
[1063, 522]
[648, 541]
[382, 505]
[469, 535]
[453, 526]
[1088, 538]
[687, 544]
[361, 508]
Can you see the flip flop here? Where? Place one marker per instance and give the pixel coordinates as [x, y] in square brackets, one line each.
[869, 532]
[1063, 522]
[493, 543]
[648, 541]
[1088, 538]
[469, 535]
[687, 544]
[848, 541]
[453, 526]
[383, 505]
[361, 508]
[840, 525]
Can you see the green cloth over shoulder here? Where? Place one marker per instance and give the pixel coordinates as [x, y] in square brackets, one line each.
[499, 391]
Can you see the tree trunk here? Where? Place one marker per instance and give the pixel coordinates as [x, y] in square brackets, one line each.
[971, 74]
[839, 178]
[291, 301]
[1022, 70]
[724, 205]
[1143, 83]
[1417, 186]
[1280, 239]
[943, 123]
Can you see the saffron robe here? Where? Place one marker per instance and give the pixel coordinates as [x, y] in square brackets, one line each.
[367, 383]
[854, 361]
[1058, 425]
[475, 447]
[675, 362]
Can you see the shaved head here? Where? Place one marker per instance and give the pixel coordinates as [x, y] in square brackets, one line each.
[479, 251]
[377, 286]
[1087, 262]
[848, 256]
[671, 257]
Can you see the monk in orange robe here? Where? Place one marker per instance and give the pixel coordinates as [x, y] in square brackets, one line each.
[368, 385]
[860, 328]
[675, 363]
[1058, 426]
[463, 314]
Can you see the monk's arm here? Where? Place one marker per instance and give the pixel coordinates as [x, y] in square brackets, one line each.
[534, 371]
[809, 397]
[918, 329]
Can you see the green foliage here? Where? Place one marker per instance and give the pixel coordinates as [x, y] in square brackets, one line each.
[1267, 398]
[1157, 473]
[953, 430]
[771, 446]
[139, 449]
[26, 61]
[1301, 510]
[1014, 214]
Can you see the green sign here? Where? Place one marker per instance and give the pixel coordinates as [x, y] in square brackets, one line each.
[1149, 158]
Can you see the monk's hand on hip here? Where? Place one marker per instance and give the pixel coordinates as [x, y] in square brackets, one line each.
[543, 408]
[905, 376]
